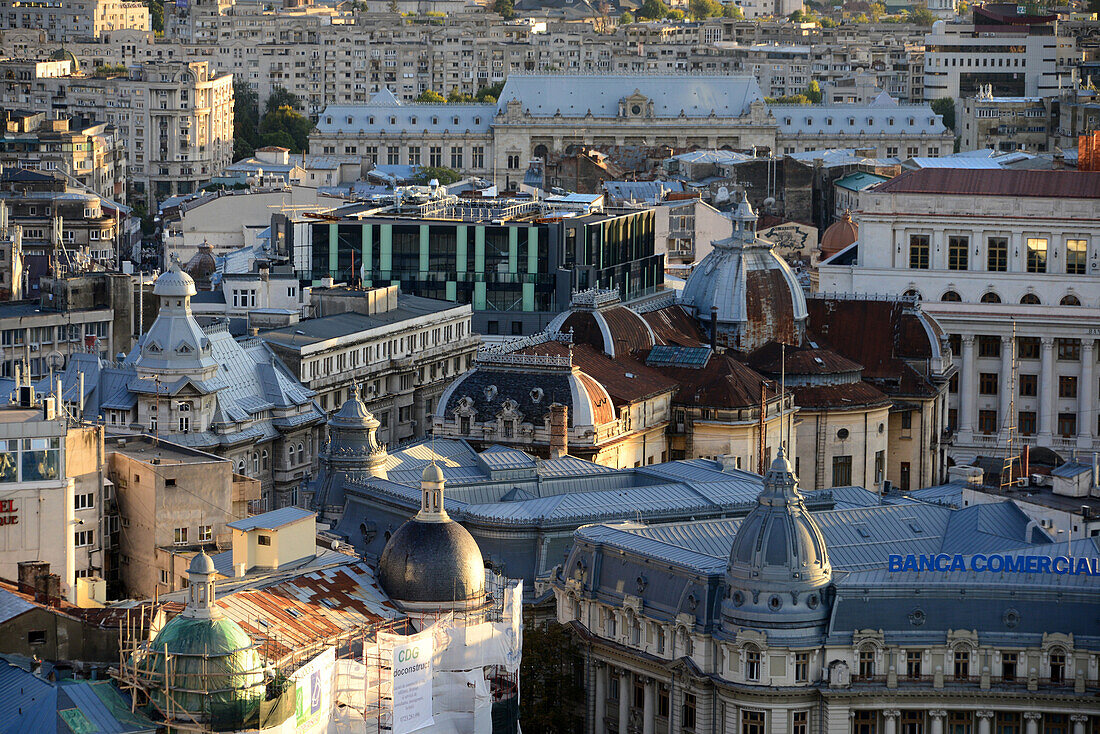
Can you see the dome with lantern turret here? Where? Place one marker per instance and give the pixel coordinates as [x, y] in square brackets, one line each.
[744, 291]
[175, 344]
[352, 449]
[778, 574]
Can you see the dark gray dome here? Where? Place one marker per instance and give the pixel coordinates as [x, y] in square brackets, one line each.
[430, 562]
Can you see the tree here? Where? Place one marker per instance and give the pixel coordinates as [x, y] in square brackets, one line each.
[653, 10]
[921, 15]
[505, 8]
[628, 17]
[877, 11]
[945, 106]
[156, 16]
[430, 96]
[675, 14]
[699, 9]
[281, 97]
[729, 10]
[246, 120]
[286, 120]
[441, 174]
[789, 99]
[457, 97]
[813, 92]
[490, 93]
[553, 679]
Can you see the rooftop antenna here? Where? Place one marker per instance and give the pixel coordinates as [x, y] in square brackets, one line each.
[1011, 456]
[783, 397]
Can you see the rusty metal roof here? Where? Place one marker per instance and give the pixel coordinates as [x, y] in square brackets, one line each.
[673, 325]
[770, 358]
[626, 380]
[838, 397]
[995, 182]
[722, 383]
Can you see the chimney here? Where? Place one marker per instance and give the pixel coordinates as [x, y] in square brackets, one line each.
[714, 328]
[33, 577]
[559, 431]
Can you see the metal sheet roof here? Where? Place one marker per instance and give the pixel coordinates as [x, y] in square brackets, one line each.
[12, 605]
[272, 520]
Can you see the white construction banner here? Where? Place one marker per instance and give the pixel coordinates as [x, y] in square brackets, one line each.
[412, 682]
[313, 707]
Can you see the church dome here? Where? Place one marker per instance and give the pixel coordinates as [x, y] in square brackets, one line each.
[175, 344]
[745, 291]
[840, 234]
[778, 570]
[597, 318]
[202, 564]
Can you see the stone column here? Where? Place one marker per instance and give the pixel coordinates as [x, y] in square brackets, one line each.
[624, 701]
[1032, 718]
[1079, 723]
[985, 722]
[1047, 389]
[968, 389]
[937, 716]
[601, 698]
[890, 721]
[649, 710]
[1004, 385]
[1086, 417]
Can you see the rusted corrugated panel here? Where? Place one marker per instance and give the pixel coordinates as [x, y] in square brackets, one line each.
[995, 182]
[643, 382]
[769, 310]
[673, 325]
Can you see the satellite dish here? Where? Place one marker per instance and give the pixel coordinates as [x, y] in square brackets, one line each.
[55, 360]
[722, 196]
[769, 202]
[335, 545]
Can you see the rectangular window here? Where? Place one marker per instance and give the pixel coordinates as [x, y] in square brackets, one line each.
[987, 383]
[456, 158]
[1036, 255]
[1076, 250]
[1026, 422]
[165, 578]
[1008, 666]
[1057, 667]
[206, 533]
[989, 346]
[1029, 386]
[1069, 350]
[1067, 425]
[36, 637]
[918, 251]
[752, 665]
[912, 722]
[435, 156]
[802, 667]
[800, 722]
[865, 722]
[960, 722]
[84, 538]
[263, 540]
[1067, 386]
[913, 664]
[842, 471]
[997, 254]
[866, 664]
[962, 664]
[1028, 347]
[179, 536]
[84, 501]
[958, 253]
[689, 711]
[752, 722]
[987, 421]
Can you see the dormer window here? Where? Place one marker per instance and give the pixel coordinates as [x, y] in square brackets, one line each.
[454, 120]
[393, 120]
[889, 121]
[828, 121]
[912, 122]
[477, 120]
[184, 349]
[153, 348]
[328, 120]
[851, 121]
[435, 120]
[413, 119]
[787, 121]
[349, 120]
[370, 120]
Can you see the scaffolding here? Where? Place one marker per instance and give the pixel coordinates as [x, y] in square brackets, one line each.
[1088, 151]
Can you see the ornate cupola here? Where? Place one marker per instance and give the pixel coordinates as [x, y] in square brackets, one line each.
[176, 346]
[352, 450]
[744, 292]
[778, 578]
[431, 495]
[200, 579]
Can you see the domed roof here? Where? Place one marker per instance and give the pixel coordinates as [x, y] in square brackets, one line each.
[595, 317]
[202, 564]
[747, 289]
[432, 473]
[174, 283]
[432, 562]
[778, 564]
[64, 54]
[354, 414]
[202, 266]
[839, 235]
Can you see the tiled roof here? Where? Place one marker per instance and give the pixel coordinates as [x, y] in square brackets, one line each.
[838, 397]
[1011, 182]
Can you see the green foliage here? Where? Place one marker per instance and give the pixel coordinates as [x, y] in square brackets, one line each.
[490, 93]
[628, 17]
[505, 8]
[280, 97]
[653, 10]
[286, 128]
[675, 14]
[826, 22]
[813, 92]
[430, 96]
[732, 11]
[444, 176]
[945, 106]
[552, 675]
[246, 120]
[699, 9]
[457, 97]
[110, 70]
[877, 11]
[156, 16]
[789, 99]
[921, 15]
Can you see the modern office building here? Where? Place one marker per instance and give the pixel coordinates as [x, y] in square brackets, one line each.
[994, 254]
[513, 260]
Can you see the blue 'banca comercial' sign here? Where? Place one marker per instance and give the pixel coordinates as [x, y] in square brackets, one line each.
[995, 563]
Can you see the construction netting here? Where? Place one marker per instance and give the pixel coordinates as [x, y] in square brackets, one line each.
[457, 676]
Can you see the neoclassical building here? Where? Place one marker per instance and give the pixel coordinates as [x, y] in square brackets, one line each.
[800, 622]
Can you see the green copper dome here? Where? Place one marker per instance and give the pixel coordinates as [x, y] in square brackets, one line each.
[214, 671]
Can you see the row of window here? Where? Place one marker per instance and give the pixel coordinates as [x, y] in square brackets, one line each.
[1028, 299]
[180, 536]
[1027, 347]
[989, 384]
[961, 668]
[959, 256]
[414, 155]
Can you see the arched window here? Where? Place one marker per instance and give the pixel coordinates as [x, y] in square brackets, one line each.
[1070, 300]
[913, 293]
[991, 297]
[1057, 665]
[866, 669]
[255, 463]
[301, 454]
[264, 459]
[951, 297]
[752, 662]
[1030, 299]
[240, 466]
[961, 660]
[184, 417]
